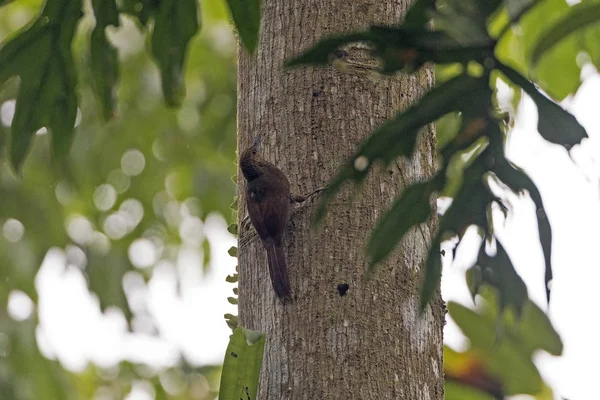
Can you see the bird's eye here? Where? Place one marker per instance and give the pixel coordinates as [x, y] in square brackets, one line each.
[253, 151]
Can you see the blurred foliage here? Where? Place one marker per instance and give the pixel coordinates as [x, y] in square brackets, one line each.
[149, 175]
[498, 362]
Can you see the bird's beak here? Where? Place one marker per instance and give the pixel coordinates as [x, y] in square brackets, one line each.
[256, 143]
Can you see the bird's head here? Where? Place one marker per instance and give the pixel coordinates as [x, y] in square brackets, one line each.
[250, 160]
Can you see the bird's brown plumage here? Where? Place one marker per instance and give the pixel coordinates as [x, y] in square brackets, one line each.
[268, 202]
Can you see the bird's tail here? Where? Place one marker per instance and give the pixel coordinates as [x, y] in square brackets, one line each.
[278, 271]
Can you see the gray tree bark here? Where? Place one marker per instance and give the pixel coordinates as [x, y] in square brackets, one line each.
[371, 342]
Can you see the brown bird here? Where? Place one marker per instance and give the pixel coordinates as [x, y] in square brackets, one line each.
[268, 200]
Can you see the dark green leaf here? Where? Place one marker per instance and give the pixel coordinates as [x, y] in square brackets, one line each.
[412, 208]
[241, 367]
[555, 124]
[399, 48]
[104, 58]
[397, 137]
[517, 8]
[41, 56]
[474, 278]
[580, 16]
[246, 16]
[234, 205]
[232, 300]
[499, 272]
[418, 14]
[232, 251]
[233, 229]
[176, 22]
[517, 180]
[469, 207]
[319, 53]
[465, 21]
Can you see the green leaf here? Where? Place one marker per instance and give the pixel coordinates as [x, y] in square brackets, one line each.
[176, 22]
[232, 300]
[319, 53]
[104, 57]
[232, 278]
[555, 124]
[397, 137]
[232, 251]
[233, 229]
[516, 45]
[412, 208]
[535, 331]
[499, 272]
[399, 48]
[517, 180]
[246, 16]
[505, 357]
[41, 56]
[474, 277]
[241, 366]
[580, 16]
[418, 13]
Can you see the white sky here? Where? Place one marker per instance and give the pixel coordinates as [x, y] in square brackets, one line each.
[73, 329]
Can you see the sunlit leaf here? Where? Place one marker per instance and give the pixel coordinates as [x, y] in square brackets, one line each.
[516, 46]
[580, 16]
[176, 22]
[41, 56]
[241, 367]
[504, 356]
[246, 16]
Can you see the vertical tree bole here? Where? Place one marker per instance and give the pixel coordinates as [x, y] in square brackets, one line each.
[369, 343]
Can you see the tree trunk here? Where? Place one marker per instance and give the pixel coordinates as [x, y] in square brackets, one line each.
[369, 343]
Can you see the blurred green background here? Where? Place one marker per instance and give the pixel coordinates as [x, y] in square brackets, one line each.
[135, 190]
